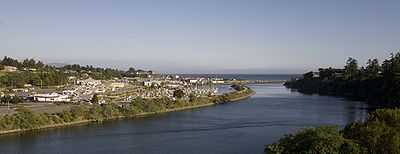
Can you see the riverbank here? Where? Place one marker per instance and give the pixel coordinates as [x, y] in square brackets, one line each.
[370, 91]
[379, 133]
[228, 97]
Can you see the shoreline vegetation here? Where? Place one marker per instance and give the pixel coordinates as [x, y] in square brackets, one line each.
[378, 85]
[25, 120]
[380, 133]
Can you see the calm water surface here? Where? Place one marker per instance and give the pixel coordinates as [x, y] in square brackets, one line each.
[242, 127]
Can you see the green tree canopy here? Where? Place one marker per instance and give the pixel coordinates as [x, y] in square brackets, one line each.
[373, 68]
[179, 93]
[95, 99]
[351, 69]
[379, 134]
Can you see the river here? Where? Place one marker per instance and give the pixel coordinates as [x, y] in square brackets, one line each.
[241, 127]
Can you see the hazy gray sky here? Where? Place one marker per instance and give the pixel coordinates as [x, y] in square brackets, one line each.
[201, 36]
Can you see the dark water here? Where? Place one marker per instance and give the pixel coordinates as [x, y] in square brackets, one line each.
[242, 127]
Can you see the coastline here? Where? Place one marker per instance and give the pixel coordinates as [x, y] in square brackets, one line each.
[143, 114]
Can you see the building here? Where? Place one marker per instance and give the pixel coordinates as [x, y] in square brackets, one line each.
[20, 90]
[89, 82]
[193, 80]
[51, 97]
[117, 85]
[27, 85]
[218, 81]
[10, 69]
[101, 90]
[151, 83]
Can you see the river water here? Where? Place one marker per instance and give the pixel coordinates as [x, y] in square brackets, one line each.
[241, 127]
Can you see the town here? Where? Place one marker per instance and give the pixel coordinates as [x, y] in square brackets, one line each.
[35, 84]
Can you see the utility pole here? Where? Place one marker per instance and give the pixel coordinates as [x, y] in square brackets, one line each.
[8, 106]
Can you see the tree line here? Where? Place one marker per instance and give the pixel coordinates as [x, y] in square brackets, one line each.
[39, 74]
[376, 83]
[26, 63]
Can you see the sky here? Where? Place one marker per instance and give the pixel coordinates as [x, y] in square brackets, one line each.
[201, 36]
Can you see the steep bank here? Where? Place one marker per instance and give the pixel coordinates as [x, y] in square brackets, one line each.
[371, 91]
[26, 120]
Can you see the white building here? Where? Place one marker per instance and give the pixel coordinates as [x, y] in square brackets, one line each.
[89, 82]
[151, 83]
[218, 81]
[10, 68]
[193, 80]
[117, 85]
[52, 97]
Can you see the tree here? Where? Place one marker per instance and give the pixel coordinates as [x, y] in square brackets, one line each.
[391, 78]
[10, 62]
[95, 99]
[313, 140]
[379, 134]
[308, 75]
[326, 73]
[131, 70]
[373, 68]
[40, 64]
[192, 97]
[179, 93]
[351, 69]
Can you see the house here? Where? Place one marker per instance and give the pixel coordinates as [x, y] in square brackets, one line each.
[51, 97]
[101, 90]
[89, 82]
[69, 92]
[141, 72]
[30, 69]
[147, 74]
[10, 69]
[72, 78]
[315, 75]
[117, 85]
[151, 83]
[19, 90]
[173, 85]
[193, 80]
[218, 81]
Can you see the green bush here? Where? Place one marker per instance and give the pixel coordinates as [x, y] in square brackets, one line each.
[379, 134]
[313, 140]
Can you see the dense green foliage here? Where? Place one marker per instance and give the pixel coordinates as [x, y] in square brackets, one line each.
[95, 99]
[379, 134]
[375, 83]
[238, 87]
[179, 93]
[25, 119]
[37, 73]
[47, 77]
[27, 63]
[10, 99]
[227, 97]
[94, 72]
